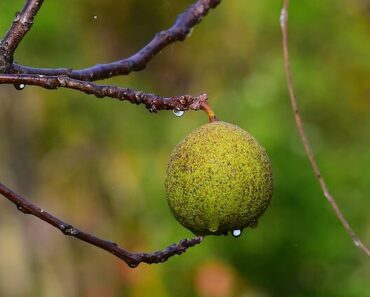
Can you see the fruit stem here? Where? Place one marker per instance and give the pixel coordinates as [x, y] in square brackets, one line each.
[211, 115]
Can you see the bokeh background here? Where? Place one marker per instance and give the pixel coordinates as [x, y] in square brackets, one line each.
[100, 163]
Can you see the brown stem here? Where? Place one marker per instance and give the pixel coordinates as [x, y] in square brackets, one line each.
[309, 152]
[208, 110]
[131, 259]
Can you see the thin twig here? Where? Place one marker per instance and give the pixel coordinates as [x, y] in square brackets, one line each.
[131, 259]
[21, 25]
[178, 32]
[152, 102]
[284, 26]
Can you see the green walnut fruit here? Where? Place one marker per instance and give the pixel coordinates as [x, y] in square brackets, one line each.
[218, 180]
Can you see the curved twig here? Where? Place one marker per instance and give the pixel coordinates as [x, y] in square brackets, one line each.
[309, 152]
[152, 102]
[178, 32]
[131, 259]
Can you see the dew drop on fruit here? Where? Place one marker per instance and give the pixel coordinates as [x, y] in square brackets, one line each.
[237, 232]
[19, 86]
[178, 113]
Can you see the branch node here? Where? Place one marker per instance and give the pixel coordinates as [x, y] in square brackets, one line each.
[71, 231]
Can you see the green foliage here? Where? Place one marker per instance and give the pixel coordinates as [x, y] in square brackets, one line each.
[100, 164]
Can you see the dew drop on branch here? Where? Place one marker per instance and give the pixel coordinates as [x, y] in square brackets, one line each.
[19, 86]
[133, 265]
[178, 113]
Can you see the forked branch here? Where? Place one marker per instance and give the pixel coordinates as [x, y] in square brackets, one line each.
[53, 78]
[178, 32]
[309, 152]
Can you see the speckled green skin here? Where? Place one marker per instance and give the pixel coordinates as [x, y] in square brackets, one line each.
[218, 179]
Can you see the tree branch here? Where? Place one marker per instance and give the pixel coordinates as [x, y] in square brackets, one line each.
[131, 259]
[21, 25]
[309, 152]
[152, 102]
[178, 32]
[11, 73]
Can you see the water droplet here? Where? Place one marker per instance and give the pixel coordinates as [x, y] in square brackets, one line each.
[95, 17]
[41, 210]
[178, 113]
[237, 232]
[133, 265]
[19, 86]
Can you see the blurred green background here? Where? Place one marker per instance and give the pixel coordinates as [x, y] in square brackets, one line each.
[100, 163]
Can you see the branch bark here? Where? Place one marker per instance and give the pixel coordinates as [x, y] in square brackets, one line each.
[151, 101]
[307, 146]
[131, 259]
